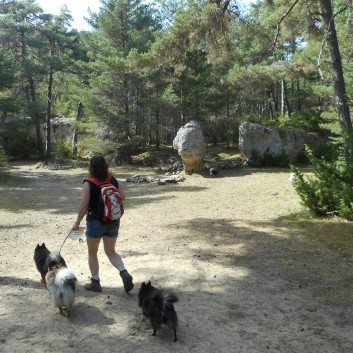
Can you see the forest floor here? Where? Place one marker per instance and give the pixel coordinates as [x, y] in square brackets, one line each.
[252, 274]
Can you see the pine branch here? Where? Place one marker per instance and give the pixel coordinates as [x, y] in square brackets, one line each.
[280, 21]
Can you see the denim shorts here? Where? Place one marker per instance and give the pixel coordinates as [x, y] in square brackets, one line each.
[96, 229]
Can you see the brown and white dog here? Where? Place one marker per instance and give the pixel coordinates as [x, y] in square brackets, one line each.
[61, 284]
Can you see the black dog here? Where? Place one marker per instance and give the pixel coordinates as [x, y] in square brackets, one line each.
[44, 259]
[157, 305]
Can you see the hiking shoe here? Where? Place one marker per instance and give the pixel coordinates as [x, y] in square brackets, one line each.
[127, 281]
[94, 286]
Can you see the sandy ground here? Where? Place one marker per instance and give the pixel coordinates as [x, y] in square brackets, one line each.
[251, 277]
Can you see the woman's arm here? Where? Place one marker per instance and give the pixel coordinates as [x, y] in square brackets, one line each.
[119, 186]
[121, 192]
[83, 206]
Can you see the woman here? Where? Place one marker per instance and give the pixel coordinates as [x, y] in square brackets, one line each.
[97, 230]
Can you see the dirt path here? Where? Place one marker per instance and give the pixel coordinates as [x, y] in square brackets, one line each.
[250, 277]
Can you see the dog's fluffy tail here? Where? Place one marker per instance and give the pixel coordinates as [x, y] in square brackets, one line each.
[169, 297]
[65, 278]
[62, 287]
[170, 317]
[162, 305]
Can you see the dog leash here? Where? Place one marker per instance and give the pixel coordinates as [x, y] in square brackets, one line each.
[64, 241]
[80, 240]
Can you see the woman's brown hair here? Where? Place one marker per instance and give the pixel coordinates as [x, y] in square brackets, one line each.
[98, 168]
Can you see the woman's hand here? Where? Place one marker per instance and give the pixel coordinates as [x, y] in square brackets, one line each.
[75, 226]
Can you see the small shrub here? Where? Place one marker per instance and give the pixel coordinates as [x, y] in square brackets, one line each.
[268, 160]
[62, 149]
[92, 146]
[329, 191]
[3, 159]
[309, 121]
[19, 140]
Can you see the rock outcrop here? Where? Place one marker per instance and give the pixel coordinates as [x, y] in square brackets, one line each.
[260, 142]
[61, 128]
[191, 147]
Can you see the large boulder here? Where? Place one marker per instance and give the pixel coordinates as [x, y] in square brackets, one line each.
[257, 142]
[190, 144]
[61, 128]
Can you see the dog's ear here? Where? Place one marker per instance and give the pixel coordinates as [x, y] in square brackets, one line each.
[42, 244]
[149, 283]
[143, 283]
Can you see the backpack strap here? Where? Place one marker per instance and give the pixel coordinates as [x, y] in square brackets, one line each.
[93, 181]
[97, 182]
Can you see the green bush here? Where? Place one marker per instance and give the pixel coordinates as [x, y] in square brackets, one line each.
[329, 190]
[309, 121]
[92, 146]
[62, 149]
[268, 160]
[19, 140]
[3, 159]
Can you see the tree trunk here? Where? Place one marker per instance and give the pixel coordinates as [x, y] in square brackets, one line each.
[157, 117]
[48, 116]
[337, 71]
[227, 122]
[274, 102]
[31, 94]
[285, 106]
[127, 109]
[299, 103]
[74, 135]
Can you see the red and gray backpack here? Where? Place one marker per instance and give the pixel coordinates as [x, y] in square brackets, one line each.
[110, 205]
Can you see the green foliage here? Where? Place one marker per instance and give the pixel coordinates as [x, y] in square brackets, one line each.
[329, 190]
[268, 160]
[19, 140]
[302, 120]
[62, 149]
[309, 121]
[91, 146]
[3, 158]
[149, 67]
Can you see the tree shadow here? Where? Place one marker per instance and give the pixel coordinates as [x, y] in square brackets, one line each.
[308, 260]
[271, 291]
[87, 315]
[21, 282]
[25, 191]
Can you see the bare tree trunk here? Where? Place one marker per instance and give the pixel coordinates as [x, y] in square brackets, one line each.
[74, 135]
[273, 102]
[299, 103]
[287, 103]
[127, 109]
[157, 115]
[285, 106]
[228, 123]
[337, 71]
[31, 95]
[48, 116]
